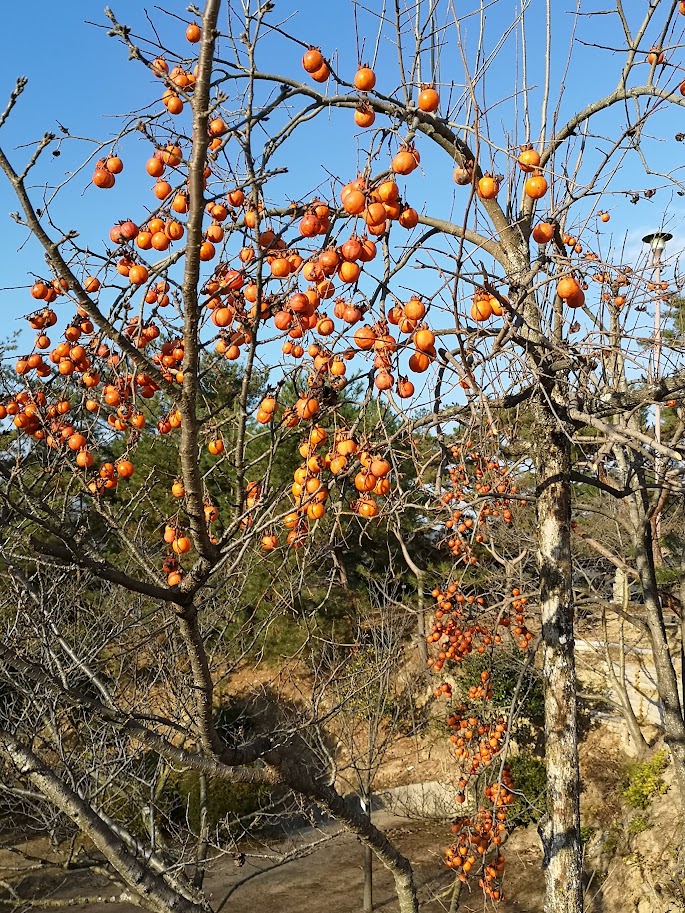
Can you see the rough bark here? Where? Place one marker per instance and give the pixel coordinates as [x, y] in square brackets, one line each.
[153, 890]
[561, 832]
[666, 677]
[359, 823]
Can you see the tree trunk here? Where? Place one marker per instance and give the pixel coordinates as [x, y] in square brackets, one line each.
[368, 852]
[365, 802]
[368, 880]
[153, 890]
[618, 681]
[203, 834]
[666, 677]
[561, 832]
[358, 822]
[682, 625]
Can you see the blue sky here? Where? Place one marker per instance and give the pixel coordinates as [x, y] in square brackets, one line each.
[82, 79]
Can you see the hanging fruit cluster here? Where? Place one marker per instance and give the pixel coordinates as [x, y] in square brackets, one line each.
[319, 471]
[178, 541]
[182, 81]
[477, 741]
[485, 304]
[310, 490]
[478, 838]
[462, 625]
[519, 629]
[457, 628]
[106, 170]
[481, 489]
[80, 361]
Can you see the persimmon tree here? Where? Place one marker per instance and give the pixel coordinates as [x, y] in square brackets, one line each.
[378, 338]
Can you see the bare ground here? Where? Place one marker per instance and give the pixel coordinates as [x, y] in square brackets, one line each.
[328, 876]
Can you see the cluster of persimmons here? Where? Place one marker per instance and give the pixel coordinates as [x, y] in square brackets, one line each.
[462, 625]
[481, 489]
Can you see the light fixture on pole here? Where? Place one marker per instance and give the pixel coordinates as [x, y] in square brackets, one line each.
[657, 242]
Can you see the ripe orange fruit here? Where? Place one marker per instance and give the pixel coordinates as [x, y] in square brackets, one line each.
[193, 33]
[536, 187]
[103, 178]
[162, 189]
[543, 232]
[488, 187]
[529, 159]
[312, 60]
[322, 74]
[125, 469]
[269, 542]
[481, 309]
[364, 79]
[429, 100]
[114, 165]
[424, 340]
[364, 116]
[207, 251]
[568, 287]
[138, 274]
[406, 160]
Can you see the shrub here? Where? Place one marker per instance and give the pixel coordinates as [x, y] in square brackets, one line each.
[642, 780]
[530, 782]
[224, 799]
[638, 824]
[505, 668]
[587, 832]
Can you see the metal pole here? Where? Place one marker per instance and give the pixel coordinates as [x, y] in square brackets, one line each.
[658, 462]
[365, 802]
[657, 241]
[657, 340]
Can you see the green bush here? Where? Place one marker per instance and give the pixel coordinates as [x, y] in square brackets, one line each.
[587, 832]
[642, 780]
[530, 784]
[638, 824]
[611, 841]
[505, 668]
[224, 799]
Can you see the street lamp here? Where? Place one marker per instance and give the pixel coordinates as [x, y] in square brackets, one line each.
[657, 242]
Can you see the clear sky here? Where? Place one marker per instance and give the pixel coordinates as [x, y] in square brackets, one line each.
[80, 78]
